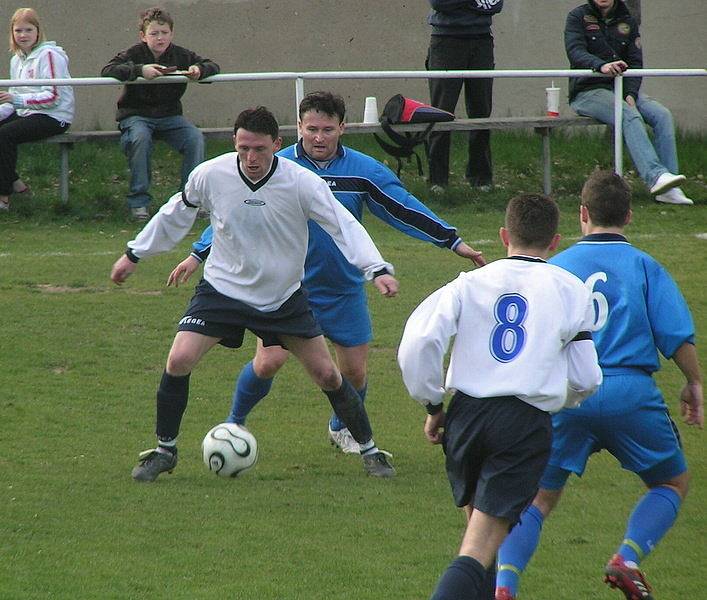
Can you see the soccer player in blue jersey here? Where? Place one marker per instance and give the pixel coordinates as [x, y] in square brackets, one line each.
[639, 312]
[336, 292]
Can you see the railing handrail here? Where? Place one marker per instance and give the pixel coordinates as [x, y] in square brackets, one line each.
[294, 75]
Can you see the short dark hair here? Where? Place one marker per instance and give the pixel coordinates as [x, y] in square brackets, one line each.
[258, 120]
[324, 102]
[156, 13]
[607, 197]
[532, 220]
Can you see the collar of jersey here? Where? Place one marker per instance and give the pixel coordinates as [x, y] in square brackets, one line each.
[536, 259]
[261, 182]
[604, 237]
[300, 153]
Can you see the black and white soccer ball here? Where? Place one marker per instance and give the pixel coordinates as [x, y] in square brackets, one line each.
[229, 449]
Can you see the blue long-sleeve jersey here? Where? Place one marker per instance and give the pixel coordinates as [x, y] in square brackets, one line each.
[356, 180]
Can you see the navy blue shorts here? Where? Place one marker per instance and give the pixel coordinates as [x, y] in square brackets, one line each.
[496, 450]
[215, 315]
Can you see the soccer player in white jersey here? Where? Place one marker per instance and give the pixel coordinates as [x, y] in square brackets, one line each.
[639, 312]
[522, 350]
[259, 207]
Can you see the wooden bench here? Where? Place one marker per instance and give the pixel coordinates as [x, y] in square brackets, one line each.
[541, 125]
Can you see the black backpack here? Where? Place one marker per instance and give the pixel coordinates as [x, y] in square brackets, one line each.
[400, 109]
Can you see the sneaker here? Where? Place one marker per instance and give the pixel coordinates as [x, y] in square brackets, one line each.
[437, 190]
[665, 182]
[140, 213]
[344, 441]
[152, 463]
[628, 579]
[673, 196]
[377, 464]
[504, 593]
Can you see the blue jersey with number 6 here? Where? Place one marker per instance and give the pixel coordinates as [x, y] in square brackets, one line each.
[638, 308]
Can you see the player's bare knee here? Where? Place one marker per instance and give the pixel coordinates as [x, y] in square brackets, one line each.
[546, 500]
[326, 376]
[356, 375]
[180, 363]
[680, 484]
[266, 365]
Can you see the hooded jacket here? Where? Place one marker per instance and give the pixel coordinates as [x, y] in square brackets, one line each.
[153, 101]
[592, 40]
[45, 61]
[463, 18]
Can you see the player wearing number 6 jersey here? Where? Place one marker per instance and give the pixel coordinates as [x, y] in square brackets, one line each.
[639, 311]
[522, 350]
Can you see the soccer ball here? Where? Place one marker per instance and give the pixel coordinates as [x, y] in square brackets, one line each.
[229, 449]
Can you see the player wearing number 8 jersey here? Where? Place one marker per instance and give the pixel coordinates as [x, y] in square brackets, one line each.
[639, 311]
[522, 350]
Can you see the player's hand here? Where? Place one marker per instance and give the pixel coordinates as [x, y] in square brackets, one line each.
[183, 271]
[692, 406]
[466, 251]
[386, 285]
[614, 68]
[5, 97]
[193, 73]
[434, 425]
[151, 71]
[122, 269]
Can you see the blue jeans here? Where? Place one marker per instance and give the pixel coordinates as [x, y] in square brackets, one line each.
[652, 158]
[136, 141]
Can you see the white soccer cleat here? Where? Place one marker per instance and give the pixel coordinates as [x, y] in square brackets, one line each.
[343, 440]
[665, 182]
[673, 196]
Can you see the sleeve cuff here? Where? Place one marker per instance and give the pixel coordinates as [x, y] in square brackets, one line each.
[433, 409]
[131, 256]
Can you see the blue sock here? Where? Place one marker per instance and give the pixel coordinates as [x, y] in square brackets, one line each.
[335, 423]
[518, 548]
[463, 580]
[250, 389]
[654, 514]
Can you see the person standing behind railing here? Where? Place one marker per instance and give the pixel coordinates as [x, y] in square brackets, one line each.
[31, 113]
[602, 35]
[461, 40]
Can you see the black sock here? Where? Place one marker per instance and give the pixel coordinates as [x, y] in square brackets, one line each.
[172, 396]
[489, 592]
[349, 408]
[463, 580]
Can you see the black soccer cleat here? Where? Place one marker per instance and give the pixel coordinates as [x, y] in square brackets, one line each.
[152, 463]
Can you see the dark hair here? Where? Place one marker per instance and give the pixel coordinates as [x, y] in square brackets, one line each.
[607, 197]
[532, 220]
[323, 102]
[257, 120]
[155, 13]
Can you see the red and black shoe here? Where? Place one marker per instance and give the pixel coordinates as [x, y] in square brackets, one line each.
[630, 580]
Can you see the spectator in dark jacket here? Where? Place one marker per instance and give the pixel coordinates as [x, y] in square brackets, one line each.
[155, 111]
[461, 40]
[603, 36]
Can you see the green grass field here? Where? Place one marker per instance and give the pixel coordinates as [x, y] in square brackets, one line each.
[81, 360]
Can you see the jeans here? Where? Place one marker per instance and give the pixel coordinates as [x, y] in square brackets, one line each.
[136, 141]
[652, 158]
[17, 130]
[456, 54]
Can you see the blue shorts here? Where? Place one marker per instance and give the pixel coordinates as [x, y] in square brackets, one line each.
[344, 318]
[628, 417]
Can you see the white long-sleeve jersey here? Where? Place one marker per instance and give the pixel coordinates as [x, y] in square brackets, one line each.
[260, 229]
[522, 329]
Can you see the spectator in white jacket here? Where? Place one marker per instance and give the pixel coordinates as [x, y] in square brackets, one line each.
[30, 113]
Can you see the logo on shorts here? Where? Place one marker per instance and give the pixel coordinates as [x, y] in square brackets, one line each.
[254, 202]
[189, 320]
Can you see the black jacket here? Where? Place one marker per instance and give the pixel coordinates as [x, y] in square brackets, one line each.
[158, 100]
[592, 41]
[463, 18]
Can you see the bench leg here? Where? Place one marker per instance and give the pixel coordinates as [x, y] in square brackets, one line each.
[64, 172]
[547, 159]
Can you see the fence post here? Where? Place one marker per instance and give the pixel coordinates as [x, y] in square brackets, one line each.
[618, 125]
[299, 96]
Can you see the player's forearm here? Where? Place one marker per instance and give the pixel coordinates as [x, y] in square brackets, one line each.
[583, 373]
[685, 358]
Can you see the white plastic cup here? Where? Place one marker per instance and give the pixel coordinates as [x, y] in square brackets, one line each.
[553, 101]
[370, 112]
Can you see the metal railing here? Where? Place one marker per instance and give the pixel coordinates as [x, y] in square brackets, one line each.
[300, 77]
